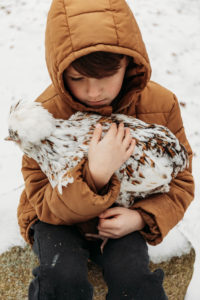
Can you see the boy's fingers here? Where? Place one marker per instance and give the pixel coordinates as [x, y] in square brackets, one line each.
[131, 148]
[127, 138]
[112, 130]
[121, 131]
[97, 134]
[107, 224]
[110, 212]
[106, 234]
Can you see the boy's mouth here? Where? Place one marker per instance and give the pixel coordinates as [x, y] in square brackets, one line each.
[97, 103]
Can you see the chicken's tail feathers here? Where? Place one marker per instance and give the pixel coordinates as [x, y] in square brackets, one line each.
[185, 156]
[31, 121]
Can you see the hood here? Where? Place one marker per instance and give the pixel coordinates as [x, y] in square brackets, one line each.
[79, 27]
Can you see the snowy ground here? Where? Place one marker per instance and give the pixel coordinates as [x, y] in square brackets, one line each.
[171, 31]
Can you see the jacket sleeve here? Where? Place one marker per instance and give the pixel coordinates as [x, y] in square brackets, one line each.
[162, 212]
[78, 202]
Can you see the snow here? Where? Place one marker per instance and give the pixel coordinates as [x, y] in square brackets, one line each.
[170, 29]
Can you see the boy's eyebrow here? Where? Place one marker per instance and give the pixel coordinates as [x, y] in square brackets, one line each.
[73, 75]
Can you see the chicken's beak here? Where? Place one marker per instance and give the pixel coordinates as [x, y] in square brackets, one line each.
[8, 139]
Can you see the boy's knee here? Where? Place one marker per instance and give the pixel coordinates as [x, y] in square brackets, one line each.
[151, 287]
[63, 277]
[144, 285]
[60, 281]
[73, 284]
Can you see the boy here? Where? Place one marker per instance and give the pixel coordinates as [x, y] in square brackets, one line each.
[98, 62]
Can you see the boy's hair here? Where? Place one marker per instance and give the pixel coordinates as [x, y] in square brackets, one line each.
[98, 64]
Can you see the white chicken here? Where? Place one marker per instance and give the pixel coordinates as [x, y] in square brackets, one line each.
[59, 145]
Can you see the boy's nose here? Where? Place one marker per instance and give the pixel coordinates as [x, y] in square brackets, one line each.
[94, 89]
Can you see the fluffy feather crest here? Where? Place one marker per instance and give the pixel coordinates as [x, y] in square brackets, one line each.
[30, 121]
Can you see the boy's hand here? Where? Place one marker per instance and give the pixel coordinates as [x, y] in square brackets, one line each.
[106, 155]
[117, 222]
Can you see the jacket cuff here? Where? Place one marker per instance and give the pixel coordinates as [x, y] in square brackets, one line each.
[150, 232]
[87, 177]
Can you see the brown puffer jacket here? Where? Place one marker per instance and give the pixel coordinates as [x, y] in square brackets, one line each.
[76, 28]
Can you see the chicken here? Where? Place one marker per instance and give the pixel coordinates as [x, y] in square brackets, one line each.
[59, 145]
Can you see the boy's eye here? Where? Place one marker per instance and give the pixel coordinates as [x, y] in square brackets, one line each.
[76, 78]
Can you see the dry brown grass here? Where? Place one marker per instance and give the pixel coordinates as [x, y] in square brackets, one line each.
[16, 272]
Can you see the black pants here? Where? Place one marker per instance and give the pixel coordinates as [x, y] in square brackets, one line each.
[62, 275]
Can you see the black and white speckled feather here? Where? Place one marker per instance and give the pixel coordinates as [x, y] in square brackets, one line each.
[59, 145]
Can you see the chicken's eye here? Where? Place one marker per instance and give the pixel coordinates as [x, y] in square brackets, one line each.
[13, 134]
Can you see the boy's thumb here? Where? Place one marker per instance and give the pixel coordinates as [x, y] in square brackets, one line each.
[97, 133]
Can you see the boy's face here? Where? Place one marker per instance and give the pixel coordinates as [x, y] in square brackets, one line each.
[95, 92]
